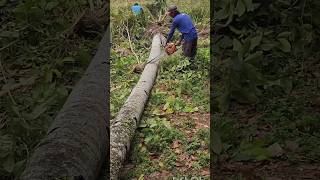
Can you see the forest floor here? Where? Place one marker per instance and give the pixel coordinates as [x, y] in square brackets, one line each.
[173, 137]
[275, 139]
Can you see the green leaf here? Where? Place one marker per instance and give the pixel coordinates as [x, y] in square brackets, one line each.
[237, 46]
[284, 45]
[91, 4]
[224, 102]
[224, 12]
[156, 112]
[216, 144]
[240, 8]
[37, 111]
[3, 2]
[152, 123]
[190, 109]
[19, 167]
[68, 60]
[249, 5]
[285, 34]
[16, 110]
[8, 164]
[225, 42]
[141, 177]
[245, 48]
[256, 153]
[253, 151]
[286, 84]
[84, 57]
[254, 58]
[27, 125]
[267, 33]
[252, 74]
[254, 42]
[236, 63]
[267, 46]
[143, 124]
[6, 145]
[228, 12]
[166, 106]
[169, 111]
[166, 123]
[148, 139]
[221, 14]
[63, 92]
[236, 31]
[48, 76]
[244, 95]
[9, 34]
[274, 83]
[52, 5]
[57, 73]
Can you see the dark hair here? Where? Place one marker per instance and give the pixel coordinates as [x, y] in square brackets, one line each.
[136, 4]
[176, 12]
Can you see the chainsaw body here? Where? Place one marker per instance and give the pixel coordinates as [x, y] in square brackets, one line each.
[170, 48]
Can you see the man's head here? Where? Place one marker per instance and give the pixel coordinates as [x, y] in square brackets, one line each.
[172, 10]
[136, 4]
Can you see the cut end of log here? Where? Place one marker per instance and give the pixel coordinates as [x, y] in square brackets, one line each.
[138, 68]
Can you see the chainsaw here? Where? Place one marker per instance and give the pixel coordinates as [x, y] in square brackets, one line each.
[170, 48]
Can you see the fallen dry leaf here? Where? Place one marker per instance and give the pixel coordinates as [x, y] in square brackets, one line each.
[292, 145]
[205, 172]
[273, 178]
[193, 158]
[175, 144]
[275, 150]
[177, 151]
[178, 164]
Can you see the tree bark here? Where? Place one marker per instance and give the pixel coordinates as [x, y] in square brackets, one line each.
[77, 142]
[123, 127]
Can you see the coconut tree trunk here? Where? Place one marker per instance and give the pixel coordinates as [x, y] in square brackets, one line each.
[123, 127]
[77, 142]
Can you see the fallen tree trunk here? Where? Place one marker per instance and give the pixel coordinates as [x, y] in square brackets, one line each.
[123, 127]
[77, 142]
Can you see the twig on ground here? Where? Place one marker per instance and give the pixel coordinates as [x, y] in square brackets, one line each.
[8, 45]
[130, 43]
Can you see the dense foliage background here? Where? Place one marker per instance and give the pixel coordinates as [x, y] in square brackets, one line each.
[266, 83]
[45, 46]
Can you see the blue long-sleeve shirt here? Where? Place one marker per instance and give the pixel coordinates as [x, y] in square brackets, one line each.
[185, 26]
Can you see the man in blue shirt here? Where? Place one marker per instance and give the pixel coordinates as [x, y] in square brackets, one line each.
[136, 9]
[189, 36]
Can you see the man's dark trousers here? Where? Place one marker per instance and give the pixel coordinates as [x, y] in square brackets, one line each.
[189, 49]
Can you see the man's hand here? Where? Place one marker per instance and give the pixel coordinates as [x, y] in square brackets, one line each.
[178, 43]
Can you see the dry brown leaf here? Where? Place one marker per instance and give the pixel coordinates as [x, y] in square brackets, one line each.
[205, 171]
[175, 144]
[177, 151]
[178, 164]
[193, 158]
